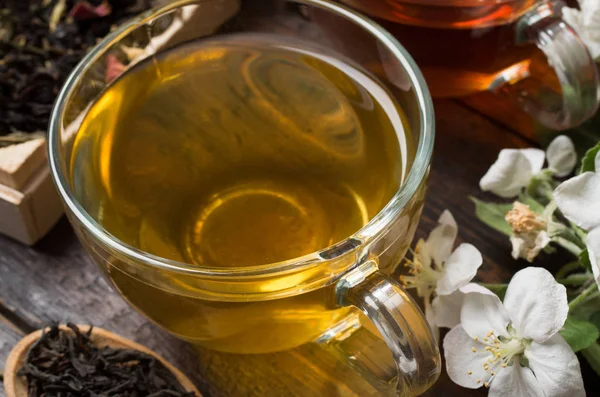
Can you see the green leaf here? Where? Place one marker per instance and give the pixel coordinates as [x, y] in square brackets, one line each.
[588, 311]
[498, 289]
[592, 355]
[595, 319]
[584, 260]
[588, 160]
[579, 334]
[533, 204]
[541, 186]
[492, 214]
[567, 269]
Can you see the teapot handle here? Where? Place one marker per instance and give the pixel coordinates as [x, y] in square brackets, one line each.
[575, 70]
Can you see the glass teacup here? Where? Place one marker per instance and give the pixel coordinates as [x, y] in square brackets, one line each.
[271, 306]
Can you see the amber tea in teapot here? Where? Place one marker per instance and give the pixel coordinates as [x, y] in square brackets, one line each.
[461, 46]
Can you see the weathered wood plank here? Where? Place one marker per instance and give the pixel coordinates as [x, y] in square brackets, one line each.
[8, 338]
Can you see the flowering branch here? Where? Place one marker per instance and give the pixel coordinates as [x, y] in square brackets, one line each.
[589, 293]
[527, 341]
[574, 279]
[547, 211]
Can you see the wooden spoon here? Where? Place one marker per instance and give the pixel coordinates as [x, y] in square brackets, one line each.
[16, 386]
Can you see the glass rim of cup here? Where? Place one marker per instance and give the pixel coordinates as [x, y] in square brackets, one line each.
[406, 191]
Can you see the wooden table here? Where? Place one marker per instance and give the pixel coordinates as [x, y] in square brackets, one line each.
[55, 280]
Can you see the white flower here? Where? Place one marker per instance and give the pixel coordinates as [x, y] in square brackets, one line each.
[514, 168]
[579, 201]
[530, 231]
[579, 198]
[586, 23]
[593, 246]
[512, 171]
[561, 155]
[435, 269]
[515, 348]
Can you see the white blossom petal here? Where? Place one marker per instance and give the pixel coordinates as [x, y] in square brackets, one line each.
[537, 304]
[572, 15]
[473, 287]
[561, 155]
[482, 313]
[460, 359]
[441, 239]
[536, 158]
[591, 17]
[542, 240]
[447, 219]
[422, 253]
[510, 173]
[586, 23]
[597, 163]
[579, 200]
[513, 381]
[459, 269]
[556, 368]
[518, 246]
[529, 246]
[446, 309]
[593, 246]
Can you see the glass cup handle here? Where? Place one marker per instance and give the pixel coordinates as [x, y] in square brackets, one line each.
[572, 63]
[399, 321]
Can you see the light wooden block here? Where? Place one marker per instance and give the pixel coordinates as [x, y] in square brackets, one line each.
[19, 162]
[29, 202]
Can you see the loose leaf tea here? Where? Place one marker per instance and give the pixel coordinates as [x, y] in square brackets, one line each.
[65, 363]
[41, 41]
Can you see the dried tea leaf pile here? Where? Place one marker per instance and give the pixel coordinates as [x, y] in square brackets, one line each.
[41, 41]
[69, 364]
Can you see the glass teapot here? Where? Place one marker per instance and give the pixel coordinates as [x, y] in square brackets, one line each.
[467, 46]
